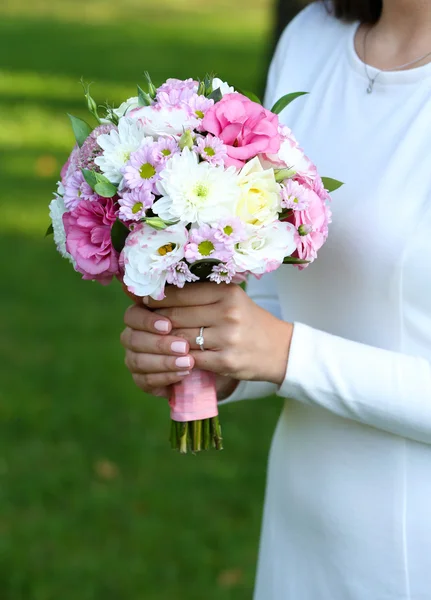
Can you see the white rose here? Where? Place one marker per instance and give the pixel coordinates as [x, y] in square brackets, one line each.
[260, 200]
[265, 248]
[148, 254]
[224, 87]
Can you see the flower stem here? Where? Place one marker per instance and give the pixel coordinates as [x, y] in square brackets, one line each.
[184, 429]
[207, 434]
[216, 433]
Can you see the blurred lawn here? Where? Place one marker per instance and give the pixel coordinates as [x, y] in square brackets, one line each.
[93, 504]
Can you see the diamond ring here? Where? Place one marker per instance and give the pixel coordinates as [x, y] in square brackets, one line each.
[200, 339]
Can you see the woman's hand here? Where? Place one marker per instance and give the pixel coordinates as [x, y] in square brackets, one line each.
[242, 340]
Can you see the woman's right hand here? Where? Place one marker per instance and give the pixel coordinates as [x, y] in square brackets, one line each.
[156, 357]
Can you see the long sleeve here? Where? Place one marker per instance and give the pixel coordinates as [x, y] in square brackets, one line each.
[384, 389]
[264, 292]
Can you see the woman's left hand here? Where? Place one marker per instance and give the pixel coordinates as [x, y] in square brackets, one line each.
[242, 340]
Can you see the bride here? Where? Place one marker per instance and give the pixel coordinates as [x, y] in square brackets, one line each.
[347, 341]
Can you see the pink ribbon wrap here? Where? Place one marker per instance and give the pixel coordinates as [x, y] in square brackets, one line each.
[194, 398]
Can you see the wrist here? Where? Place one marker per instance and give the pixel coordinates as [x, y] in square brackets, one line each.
[279, 354]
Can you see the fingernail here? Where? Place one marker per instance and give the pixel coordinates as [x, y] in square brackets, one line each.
[183, 373]
[161, 326]
[183, 361]
[179, 347]
[145, 300]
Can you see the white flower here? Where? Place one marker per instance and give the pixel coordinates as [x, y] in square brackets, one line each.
[56, 212]
[224, 87]
[118, 146]
[195, 192]
[260, 200]
[124, 107]
[149, 255]
[265, 248]
[162, 120]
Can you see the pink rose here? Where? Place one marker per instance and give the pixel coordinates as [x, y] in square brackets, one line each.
[88, 239]
[246, 128]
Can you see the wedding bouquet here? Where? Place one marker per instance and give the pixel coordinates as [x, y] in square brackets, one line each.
[189, 181]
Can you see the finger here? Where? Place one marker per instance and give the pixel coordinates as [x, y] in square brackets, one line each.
[152, 343]
[142, 319]
[189, 295]
[220, 362]
[139, 362]
[210, 335]
[157, 381]
[191, 316]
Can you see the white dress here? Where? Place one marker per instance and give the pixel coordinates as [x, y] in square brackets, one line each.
[348, 502]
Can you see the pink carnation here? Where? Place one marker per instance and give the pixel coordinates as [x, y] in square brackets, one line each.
[246, 128]
[88, 239]
[311, 227]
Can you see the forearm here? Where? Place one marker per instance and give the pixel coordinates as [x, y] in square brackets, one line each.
[387, 390]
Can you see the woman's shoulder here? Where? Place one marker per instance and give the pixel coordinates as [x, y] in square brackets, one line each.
[315, 22]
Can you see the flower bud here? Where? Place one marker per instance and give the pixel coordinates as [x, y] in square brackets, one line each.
[304, 229]
[186, 140]
[152, 91]
[282, 174]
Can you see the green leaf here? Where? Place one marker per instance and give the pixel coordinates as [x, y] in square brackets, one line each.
[216, 95]
[203, 268]
[144, 99]
[290, 260]
[90, 177]
[81, 129]
[152, 91]
[105, 189]
[251, 96]
[49, 231]
[285, 100]
[331, 185]
[119, 233]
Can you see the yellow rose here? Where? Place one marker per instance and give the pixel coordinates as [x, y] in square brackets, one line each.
[259, 202]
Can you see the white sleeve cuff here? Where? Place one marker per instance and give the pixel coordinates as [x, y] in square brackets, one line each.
[251, 390]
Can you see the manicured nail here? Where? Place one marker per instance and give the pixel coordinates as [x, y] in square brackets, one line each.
[183, 373]
[145, 300]
[183, 361]
[179, 347]
[162, 326]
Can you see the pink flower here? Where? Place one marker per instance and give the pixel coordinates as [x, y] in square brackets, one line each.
[88, 239]
[176, 91]
[180, 274]
[203, 243]
[223, 273]
[142, 170]
[77, 189]
[134, 204]
[71, 165]
[199, 105]
[212, 150]
[90, 149]
[311, 227]
[165, 148]
[245, 127]
[294, 196]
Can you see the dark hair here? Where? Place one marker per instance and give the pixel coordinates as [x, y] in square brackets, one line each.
[366, 11]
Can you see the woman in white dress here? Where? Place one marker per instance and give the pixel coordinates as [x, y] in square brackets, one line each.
[348, 340]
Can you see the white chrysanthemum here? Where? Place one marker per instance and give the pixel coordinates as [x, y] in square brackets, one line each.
[195, 192]
[118, 146]
[149, 255]
[165, 120]
[265, 248]
[224, 87]
[260, 200]
[56, 212]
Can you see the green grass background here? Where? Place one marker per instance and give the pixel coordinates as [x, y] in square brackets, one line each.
[93, 504]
